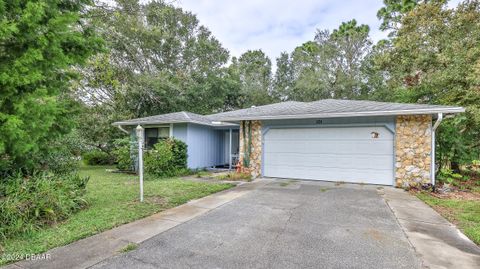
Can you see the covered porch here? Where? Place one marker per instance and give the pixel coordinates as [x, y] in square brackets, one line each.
[229, 148]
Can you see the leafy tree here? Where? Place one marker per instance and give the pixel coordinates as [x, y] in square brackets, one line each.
[36, 56]
[331, 66]
[376, 86]
[435, 59]
[283, 80]
[255, 73]
[394, 10]
[310, 72]
[94, 124]
[159, 60]
[350, 30]
[234, 96]
[351, 45]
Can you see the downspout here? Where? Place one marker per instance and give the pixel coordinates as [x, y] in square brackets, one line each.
[123, 130]
[432, 164]
[230, 149]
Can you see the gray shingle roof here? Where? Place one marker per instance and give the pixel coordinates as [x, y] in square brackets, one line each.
[176, 117]
[328, 108]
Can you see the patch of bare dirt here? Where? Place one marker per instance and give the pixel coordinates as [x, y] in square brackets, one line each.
[458, 195]
[159, 200]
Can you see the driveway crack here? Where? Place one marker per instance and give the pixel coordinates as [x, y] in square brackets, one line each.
[281, 232]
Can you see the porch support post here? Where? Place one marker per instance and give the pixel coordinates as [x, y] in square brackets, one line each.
[230, 149]
[140, 137]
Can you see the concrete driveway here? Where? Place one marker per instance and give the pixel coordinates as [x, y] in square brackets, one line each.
[284, 224]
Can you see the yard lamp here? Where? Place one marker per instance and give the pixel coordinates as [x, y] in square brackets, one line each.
[140, 133]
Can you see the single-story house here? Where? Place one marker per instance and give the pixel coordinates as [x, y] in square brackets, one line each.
[333, 140]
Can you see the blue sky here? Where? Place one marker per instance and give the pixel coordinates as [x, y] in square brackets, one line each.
[279, 25]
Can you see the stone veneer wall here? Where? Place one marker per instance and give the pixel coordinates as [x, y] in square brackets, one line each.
[255, 168]
[413, 148]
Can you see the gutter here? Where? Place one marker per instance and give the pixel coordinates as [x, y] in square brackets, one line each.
[133, 123]
[123, 130]
[342, 114]
[432, 163]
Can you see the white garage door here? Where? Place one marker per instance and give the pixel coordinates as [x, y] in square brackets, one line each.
[334, 154]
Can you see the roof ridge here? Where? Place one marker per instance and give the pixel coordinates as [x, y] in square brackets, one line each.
[294, 109]
[186, 115]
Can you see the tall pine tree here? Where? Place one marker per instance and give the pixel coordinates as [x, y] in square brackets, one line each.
[39, 43]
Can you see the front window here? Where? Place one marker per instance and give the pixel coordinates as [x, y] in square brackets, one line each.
[153, 135]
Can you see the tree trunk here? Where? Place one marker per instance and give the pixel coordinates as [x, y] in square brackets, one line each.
[455, 167]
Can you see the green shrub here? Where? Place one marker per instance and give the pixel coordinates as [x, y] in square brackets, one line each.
[159, 160]
[63, 154]
[474, 166]
[167, 158]
[28, 203]
[123, 155]
[60, 156]
[179, 149]
[449, 177]
[97, 157]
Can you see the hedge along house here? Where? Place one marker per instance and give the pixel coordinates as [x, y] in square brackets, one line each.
[333, 140]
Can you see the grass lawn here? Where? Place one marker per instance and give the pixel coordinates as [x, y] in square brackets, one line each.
[113, 199]
[463, 213]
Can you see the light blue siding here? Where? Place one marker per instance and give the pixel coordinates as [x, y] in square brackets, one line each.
[205, 146]
[180, 131]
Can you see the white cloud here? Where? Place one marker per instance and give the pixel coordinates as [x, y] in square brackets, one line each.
[278, 25]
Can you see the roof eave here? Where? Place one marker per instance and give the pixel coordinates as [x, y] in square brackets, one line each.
[125, 123]
[452, 110]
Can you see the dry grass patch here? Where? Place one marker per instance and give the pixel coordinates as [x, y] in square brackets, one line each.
[234, 176]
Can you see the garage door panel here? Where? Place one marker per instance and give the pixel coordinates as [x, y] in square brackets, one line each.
[347, 154]
[337, 146]
[331, 160]
[328, 133]
[346, 175]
